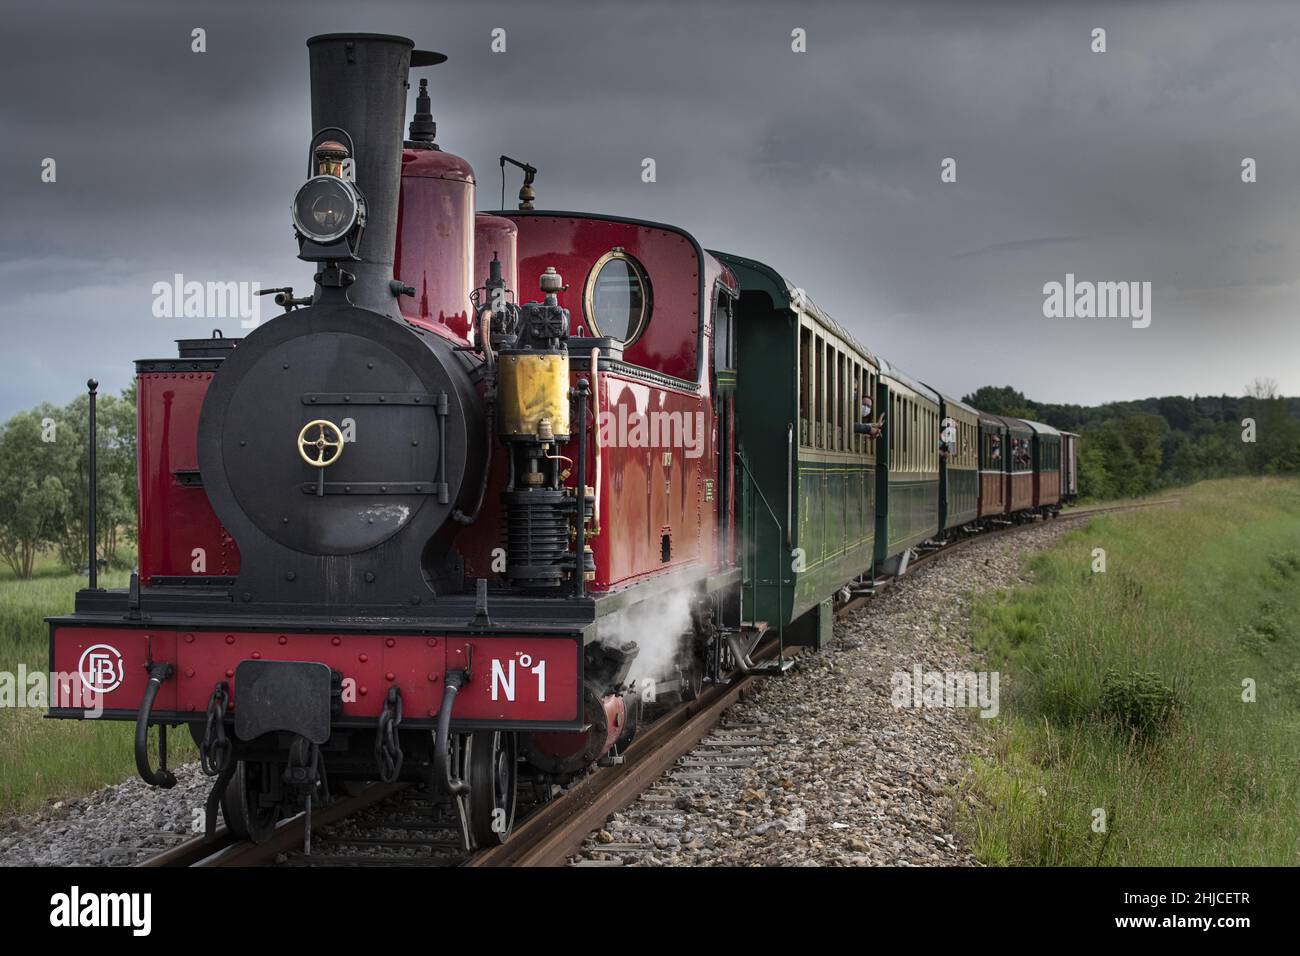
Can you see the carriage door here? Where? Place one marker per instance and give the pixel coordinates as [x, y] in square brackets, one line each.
[724, 391]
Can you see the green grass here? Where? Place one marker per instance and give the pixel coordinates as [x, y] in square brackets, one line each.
[43, 760]
[1123, 690]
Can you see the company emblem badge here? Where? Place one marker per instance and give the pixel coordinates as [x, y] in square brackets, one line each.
[100, 668]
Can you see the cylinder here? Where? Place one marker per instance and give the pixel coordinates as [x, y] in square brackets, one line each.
[494, 235]
[537, 537]
[562, 753]
[533, 395]
[358, 83]
[435, 240]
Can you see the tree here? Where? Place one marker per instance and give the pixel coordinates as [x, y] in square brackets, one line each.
[1131, 450]
[1095, 481]
[1210, 453]
[1276, 433]
[1003, 400]
[33, 497]
[115, 511]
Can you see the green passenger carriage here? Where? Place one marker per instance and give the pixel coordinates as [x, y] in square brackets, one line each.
[823, 504]
[907, 484]
[959, 438]
[810, 490]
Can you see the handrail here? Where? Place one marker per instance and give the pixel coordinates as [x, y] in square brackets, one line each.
[780, 558]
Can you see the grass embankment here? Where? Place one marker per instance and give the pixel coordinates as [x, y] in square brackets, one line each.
[42, 760]
[1129, 691]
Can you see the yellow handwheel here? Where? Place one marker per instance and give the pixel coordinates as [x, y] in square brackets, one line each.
[327, 445]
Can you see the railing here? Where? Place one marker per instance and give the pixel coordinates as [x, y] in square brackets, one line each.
[92, 491]
[749, 552]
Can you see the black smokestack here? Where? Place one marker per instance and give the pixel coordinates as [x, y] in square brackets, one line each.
[359, 83]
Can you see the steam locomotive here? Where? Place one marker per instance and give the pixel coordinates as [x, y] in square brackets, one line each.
[418, 529]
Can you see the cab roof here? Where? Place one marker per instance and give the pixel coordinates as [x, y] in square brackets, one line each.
[755, 275]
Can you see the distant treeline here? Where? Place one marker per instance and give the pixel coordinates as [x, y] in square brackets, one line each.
[43, 486]
[1128, 448]
[1131, 448]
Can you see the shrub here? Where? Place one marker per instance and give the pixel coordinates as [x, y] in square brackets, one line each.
[1139, 702]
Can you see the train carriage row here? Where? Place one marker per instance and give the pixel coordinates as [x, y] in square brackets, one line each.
[421, 526]
[856, 506]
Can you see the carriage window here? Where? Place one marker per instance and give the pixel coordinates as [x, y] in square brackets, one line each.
[905, 456]
[916, 434]
[840, 401]
[723, 337]
[855, 407]
[617, 297]
[805, 386]
[875, 412]
[895, 432]
[933, 443]
[837, 395]
[832, 397]
[931, 439]
[820, 394]
[906, 409]
[905, 414]
[894, 425]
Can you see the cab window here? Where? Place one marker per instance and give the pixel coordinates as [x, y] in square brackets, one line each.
[617, 298]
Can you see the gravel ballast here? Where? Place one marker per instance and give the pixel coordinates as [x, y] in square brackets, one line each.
[113, 826]
[824, 769]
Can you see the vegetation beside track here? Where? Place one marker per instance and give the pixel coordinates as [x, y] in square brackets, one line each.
[44, 760]
[1127, 692]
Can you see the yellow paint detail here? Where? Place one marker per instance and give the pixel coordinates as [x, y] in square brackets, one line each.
[532, 389]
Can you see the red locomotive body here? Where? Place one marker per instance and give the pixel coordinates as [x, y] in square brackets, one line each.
[179, 534]
[526, 678]
[414, 527]
[495, 238]
[435, 240]
[655, 424]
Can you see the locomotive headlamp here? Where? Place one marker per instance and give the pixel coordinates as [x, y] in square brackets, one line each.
[328, 209]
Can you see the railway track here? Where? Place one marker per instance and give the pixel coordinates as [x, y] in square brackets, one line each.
[400, 825]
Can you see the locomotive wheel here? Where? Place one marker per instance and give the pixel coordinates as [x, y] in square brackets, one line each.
[692, 677]
[493, 776]
[245, 816]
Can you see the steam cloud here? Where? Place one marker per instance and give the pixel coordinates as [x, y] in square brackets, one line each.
[658, 626]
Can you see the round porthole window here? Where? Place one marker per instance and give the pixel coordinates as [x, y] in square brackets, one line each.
[617, 299]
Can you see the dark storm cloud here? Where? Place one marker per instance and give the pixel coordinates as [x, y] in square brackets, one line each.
[1017, 245]
[1115, 166]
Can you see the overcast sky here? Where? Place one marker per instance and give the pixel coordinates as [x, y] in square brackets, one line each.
[1115, 166]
